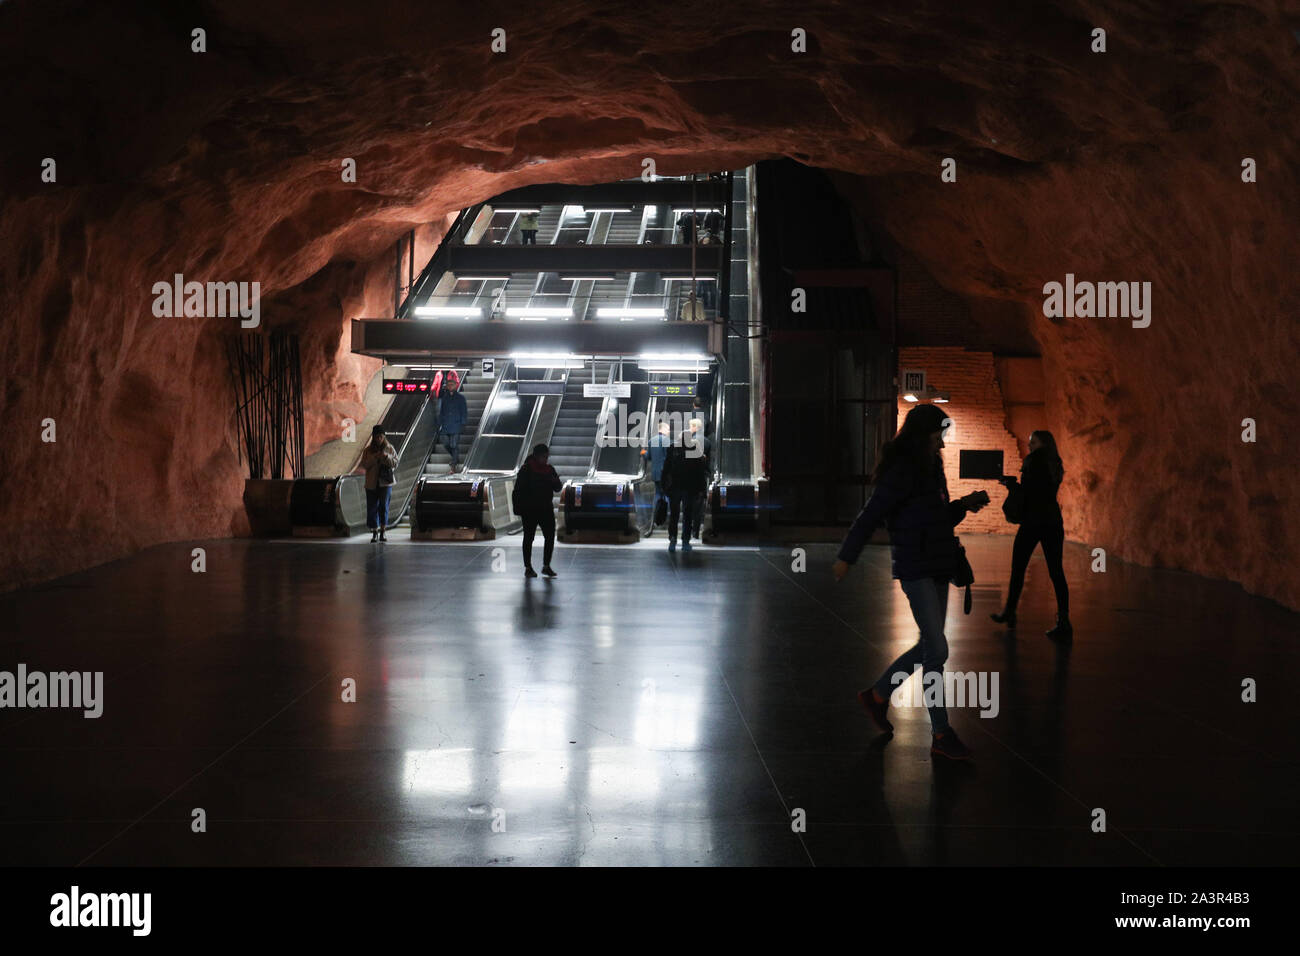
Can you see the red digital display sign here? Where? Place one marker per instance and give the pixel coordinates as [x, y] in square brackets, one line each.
[417, 386]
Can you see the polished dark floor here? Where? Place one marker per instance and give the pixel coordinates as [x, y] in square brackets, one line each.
[640, 710]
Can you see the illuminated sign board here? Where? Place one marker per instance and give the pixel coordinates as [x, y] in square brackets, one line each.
[667, 390]
[408, 386]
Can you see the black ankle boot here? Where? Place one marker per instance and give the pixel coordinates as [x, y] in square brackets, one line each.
[1006, 617]
[1063, 630]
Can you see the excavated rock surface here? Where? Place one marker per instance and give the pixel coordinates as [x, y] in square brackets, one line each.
[225, 165]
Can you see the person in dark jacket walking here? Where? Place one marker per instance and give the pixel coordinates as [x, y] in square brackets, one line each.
[536, 482]
[911, 500]
[685, 478]
[452, 415]
[1040, 523]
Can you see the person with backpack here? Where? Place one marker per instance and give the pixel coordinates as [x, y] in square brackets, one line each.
[378, 459]
[453, 412]
[659, 446]
[536, 482]
[910, 498]
[685, 478]
[1032, 504]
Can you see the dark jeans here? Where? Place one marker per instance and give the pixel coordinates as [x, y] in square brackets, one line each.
[683, 504]
[546, 522]
[452, 442]
[659, 493]
[929, 601]
[528, 237]
[1052, 538]
[377, 507]
[699, 514]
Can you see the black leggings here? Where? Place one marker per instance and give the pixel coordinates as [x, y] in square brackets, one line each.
[547, 523]
[1052, 538]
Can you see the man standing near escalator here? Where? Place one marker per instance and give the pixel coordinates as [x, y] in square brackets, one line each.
[452, 415]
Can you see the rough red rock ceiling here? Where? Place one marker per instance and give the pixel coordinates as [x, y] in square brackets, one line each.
[225, 165]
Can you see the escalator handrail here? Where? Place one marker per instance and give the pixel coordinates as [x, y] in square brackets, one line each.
[487, 407]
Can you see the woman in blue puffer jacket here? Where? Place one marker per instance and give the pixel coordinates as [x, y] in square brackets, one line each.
[911, 500]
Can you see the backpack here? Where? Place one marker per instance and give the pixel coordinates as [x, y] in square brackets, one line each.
[517, 493]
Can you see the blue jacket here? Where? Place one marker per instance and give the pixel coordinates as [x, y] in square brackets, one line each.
[452, 413]
[659, 446]
[915, 509]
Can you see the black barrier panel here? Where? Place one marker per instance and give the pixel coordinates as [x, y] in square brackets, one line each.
[734, 507]
[449, 504]
[311, 503]
[598, 505]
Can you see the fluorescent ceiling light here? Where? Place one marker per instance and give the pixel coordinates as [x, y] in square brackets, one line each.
[610, 312]
[688, 278]
[548, 360]
[672, 362]
[696, 209]
[449, 311]
[608, 208]
[588, 278]
[515, 209]
[482, 278]
[672, 357]
[531, 312]
[909, 397]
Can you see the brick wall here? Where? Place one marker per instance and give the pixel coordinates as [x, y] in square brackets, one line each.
[979, 421]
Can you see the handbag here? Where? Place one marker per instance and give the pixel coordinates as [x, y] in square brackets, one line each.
[1013, 508]
[661, 511]
[386, 475]
[963, 575]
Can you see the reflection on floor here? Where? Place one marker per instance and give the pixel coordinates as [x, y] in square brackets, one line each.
[640, 709]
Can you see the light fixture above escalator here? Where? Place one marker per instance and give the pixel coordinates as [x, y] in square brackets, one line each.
[448, 312]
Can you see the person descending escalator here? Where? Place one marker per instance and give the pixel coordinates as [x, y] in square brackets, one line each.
[378, 459]
[452, 415]
[536, 482]
[686, 226]
[528, 228]
[659, 446]
[685, 478]
[713, 225]
[692, 311]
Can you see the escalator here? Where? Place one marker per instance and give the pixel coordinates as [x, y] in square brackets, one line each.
[573, 439]
[475, 503]
[325, 507]
[476, 390]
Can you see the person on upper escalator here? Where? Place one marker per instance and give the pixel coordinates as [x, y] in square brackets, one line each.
[528, 228]
[452, 415]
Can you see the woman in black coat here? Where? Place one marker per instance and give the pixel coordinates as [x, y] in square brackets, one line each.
[536, 482]
[1040, 523]
[910, 499]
